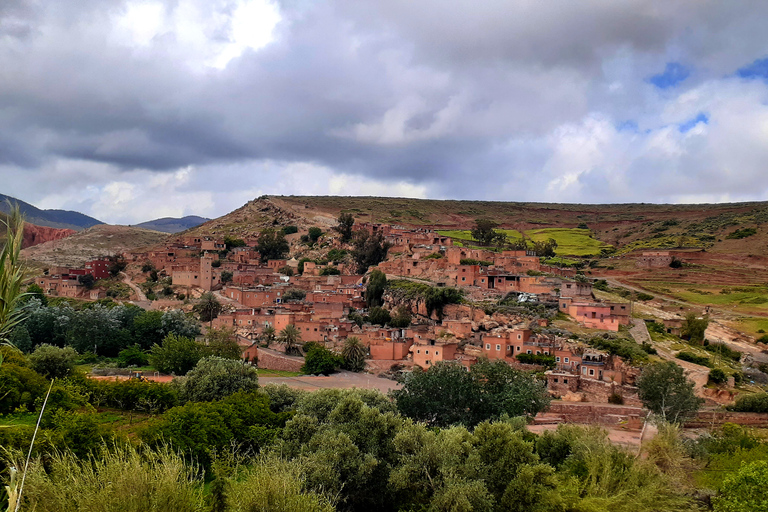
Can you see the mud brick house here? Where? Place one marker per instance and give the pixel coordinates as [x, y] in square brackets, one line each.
[596, 315]
[654, 259]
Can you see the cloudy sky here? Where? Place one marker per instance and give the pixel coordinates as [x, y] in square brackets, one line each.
[131, 110]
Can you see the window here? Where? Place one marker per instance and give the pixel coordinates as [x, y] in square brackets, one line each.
[565, 381]
[591, 371]
[528, 352]
[436, 352]
[566, 360]
[557, 359]
[498, 347]
[426, 351]
[418, 351]
[555, 380]
[518, 349]
[463, 278]
[487, 346]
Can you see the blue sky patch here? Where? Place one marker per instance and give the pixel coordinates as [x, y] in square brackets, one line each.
[758, 69]
[628, 126]
[673, 74]
[688, 125]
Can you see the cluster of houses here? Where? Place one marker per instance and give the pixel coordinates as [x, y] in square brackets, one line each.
[266, 295]
[67, 282]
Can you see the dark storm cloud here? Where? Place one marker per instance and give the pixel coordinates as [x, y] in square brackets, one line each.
[519, 99]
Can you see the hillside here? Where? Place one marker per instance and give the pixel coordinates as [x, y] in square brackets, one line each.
[733, 228]
[35, 235]
[91, 243]
[172, 224]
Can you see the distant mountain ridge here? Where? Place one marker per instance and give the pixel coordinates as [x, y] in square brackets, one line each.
[62, 219]
[173, 225]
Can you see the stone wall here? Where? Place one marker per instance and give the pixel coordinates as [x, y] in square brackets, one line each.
[598, 414]
[270, 360]
[715, 418]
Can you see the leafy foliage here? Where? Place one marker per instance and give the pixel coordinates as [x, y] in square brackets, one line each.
[53, 362]
[693, 328]
[214, 378]
[177, 355]
[374, 290]
[344, 226]
[665, 390]
[756, 402]
[354, 354]
[379, 316]
[447, 394]
[272, 245]
[369, 250]
[320, 360]
[290, 336]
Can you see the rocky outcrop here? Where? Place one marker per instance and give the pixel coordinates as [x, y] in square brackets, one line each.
[35, 235]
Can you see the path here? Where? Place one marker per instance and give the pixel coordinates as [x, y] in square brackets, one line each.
[139, 294]
[697, 373]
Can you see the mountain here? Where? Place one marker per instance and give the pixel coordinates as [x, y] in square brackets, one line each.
[173, 225]
[62, 219]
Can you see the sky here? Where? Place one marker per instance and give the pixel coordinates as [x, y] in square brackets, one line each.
[131, 110]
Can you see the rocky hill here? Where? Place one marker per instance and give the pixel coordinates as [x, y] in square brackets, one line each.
[101, 240]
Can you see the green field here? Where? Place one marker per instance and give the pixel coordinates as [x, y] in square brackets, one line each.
[570, 241]
[753, 325]
[278, 373]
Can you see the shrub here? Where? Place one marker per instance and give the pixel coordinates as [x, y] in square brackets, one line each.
[214, 378]
[289, 230]
[177, 355]
[379, 315]
[433, 256]
[132, 395]
[693, 358]
[315, 233]
[354, 354]
[723, 351]
[320, 360]
[330, 271]
[675, 263]
[336, 255]
[717, 376]
[132, 356]
[53, 362]
[757, 402]
[294, 294]
[471, 261]
[624, 348]
[540, 359]
[741, 233]
[616, 399]
[286, 271]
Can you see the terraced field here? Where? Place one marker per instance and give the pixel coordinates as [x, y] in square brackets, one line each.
[570, 241]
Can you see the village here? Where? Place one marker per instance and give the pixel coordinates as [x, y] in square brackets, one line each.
[324, 302]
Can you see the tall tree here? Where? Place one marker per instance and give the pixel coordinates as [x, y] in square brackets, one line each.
[272, 244]
[354, 353]
[369, 249]
[344, 226]
[208, 308]
[665, 390]
[485, 231]
[374, 290]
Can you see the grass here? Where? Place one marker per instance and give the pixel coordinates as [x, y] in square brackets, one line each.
[277, 373]
[752, 325]
[25, 419]
[570, 241]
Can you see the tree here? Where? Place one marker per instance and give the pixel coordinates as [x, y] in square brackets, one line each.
[379, 316]
[485, 231]
[744, 490]
[330, 271]
[545, 248]
[226, 276]
[294, 294]
[693, 328]
[208, 307]
[12, 274]
[344, 226]
[268, 335]
[446, 394]
[222, 343]
[53, 362]
[230, 242]
[665, 391]
[132, 356]
[214, 378]
[291, 338]
[272, 245]
[302, 261]
[34, 291]
[86, 280]
[116, 264]
[374, 289]
[369, 249]
[320, 360]
[177, 355]
[354, 353]
[315, 234]
[402, 317]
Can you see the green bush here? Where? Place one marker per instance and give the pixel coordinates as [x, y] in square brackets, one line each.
[540, 359]
[289, 230]
[132, 356]
[717, 376]
[214, 378]
[330, 271]
[177, 355]
[622, 347]
[53, 362]
[320, 360]
[693, 358]
[723, 350]
[471, 261]
[379, 316]
[616, 399]
[315, 233]
[741, 233]
[132, 395]
[757, 402]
